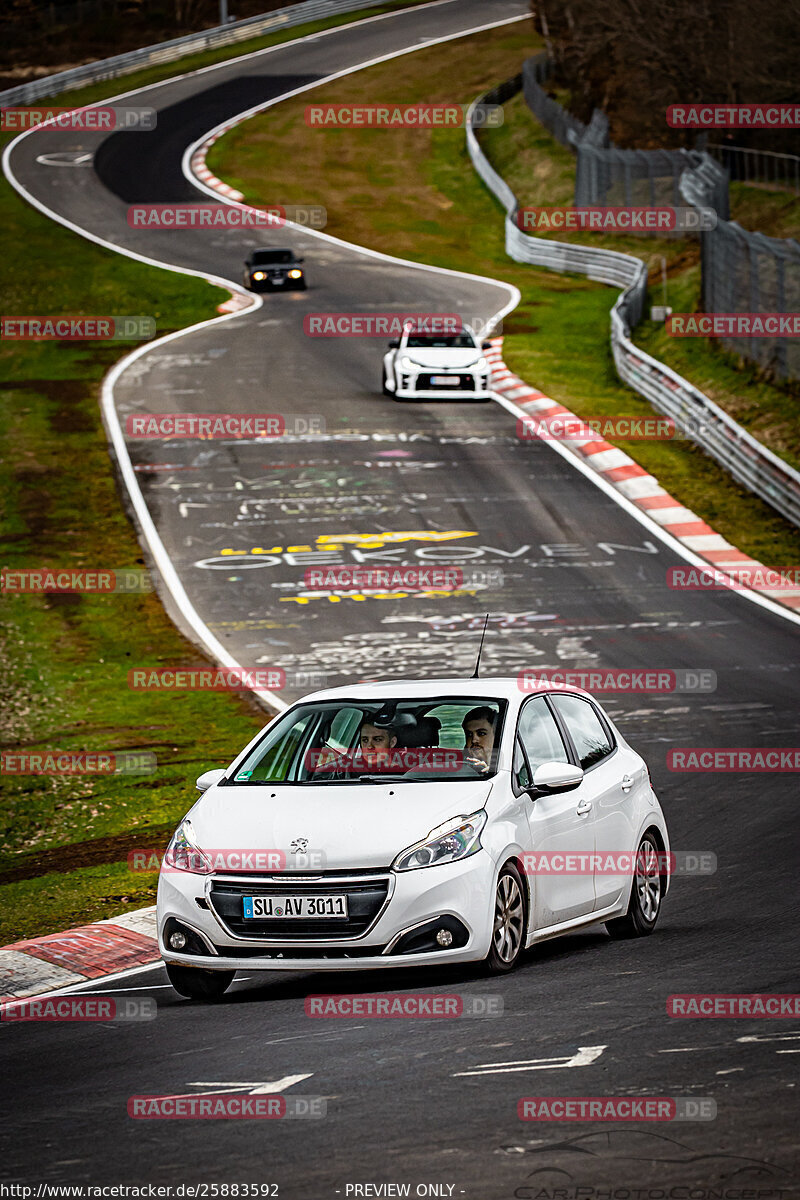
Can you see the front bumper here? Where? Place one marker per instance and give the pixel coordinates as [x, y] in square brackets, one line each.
[459, 893]
[471, 385]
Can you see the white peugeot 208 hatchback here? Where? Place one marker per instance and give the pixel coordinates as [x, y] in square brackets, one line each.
[410, 823]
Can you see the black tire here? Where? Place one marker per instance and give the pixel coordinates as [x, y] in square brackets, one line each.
[198, 984]
[509, 922]
[647, 894]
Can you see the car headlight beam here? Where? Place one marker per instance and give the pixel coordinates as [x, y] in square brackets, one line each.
[447, 843]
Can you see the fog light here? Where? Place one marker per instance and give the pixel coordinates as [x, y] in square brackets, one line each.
[177, 940]
[444, 938]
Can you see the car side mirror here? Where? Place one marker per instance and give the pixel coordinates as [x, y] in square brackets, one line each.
[552, 777]
[209, 778]
[486, 345]
[394, 343]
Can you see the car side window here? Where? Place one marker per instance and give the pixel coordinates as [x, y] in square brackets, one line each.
[540, 735]
[586, 729]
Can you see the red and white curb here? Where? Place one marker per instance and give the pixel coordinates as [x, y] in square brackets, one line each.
[633, 482]
[35, 966]
[200, 169]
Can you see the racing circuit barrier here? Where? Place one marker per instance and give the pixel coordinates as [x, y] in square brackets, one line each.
[699, 418]
[205, 39]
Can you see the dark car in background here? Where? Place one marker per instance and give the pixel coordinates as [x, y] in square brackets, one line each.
[266, 270]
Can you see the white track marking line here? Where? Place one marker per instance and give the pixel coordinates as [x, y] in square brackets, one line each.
[583, 1057]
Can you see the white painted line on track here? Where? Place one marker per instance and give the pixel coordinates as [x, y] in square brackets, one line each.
[583, 1057]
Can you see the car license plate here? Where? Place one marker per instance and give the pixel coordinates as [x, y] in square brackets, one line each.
[444, 379]
[277, 908]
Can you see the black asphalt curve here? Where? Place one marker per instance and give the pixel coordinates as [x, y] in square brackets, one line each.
[571, 580]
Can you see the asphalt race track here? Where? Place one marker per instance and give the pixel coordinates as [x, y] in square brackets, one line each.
[582, 584]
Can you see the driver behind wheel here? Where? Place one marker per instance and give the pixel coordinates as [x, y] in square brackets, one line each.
[479, 729]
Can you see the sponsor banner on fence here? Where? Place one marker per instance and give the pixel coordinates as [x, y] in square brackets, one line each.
[226, 1106]
[734, 116]
[70, 119]
[734, 325]
[53, 328]
[77, 762]
[393, 1004]
[615, 219]
[734, 759]
[401, 116]
[734, 1004]
[621, 680]
[73, 579]
[616, 1108]
[81, 1008]
[222, 425]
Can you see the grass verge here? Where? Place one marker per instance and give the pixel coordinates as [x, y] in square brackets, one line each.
[415, 194]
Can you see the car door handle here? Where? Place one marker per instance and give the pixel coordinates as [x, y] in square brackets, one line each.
[627, 783]
[583, 808]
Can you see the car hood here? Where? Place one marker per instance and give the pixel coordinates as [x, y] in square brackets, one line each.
[443, 358]
[349, 826]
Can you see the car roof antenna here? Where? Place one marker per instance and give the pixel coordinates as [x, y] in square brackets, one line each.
[480, 648]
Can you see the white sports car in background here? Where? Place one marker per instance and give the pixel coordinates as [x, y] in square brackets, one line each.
[414, 823]
[431, 366]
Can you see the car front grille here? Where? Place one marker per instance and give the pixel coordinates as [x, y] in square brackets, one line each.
[366, 893]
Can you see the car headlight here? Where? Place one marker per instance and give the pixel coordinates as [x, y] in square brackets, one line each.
[259, 275]
[408, 364]
[295, 274]
[183, 854]
[455, 839]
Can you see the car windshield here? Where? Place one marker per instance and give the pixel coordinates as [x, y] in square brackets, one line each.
[272, 256]
[402, 740]
[442, 341]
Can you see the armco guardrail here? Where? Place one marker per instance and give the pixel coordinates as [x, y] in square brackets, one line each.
[700, 419]
[205, 39]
